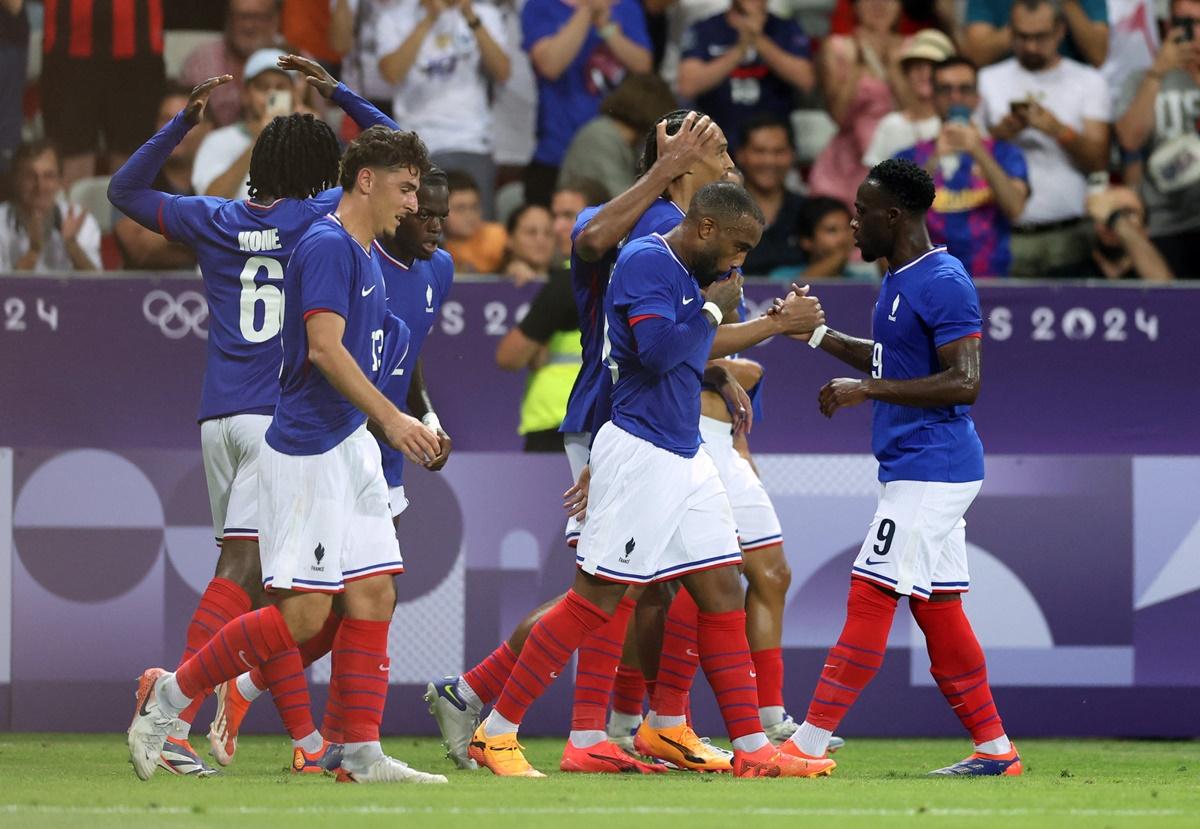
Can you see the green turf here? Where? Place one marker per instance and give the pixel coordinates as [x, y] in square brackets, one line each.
[85, 781]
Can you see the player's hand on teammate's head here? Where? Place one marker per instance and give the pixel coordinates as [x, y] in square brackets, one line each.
[696, 139]
[194, 110]
[841, 393]
[315, 75]
[575, 499]
[412, 437]
[726, 293]
[443, 454]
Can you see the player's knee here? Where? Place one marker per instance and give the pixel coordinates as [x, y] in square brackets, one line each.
[305, 614]
[775, 579]
[372, 598]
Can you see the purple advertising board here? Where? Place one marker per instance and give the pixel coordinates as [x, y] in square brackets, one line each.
[1084, 543]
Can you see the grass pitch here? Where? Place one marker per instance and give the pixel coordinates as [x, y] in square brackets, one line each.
[85, 781]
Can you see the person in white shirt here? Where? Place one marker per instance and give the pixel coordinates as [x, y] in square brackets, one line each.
[222, 165]
[354, 33]
[918, 121]
[440, 55]
[1058, 112]
[39, 229]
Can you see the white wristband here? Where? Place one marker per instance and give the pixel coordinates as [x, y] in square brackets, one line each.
[818, 334]
[715, 310]
[430, 419]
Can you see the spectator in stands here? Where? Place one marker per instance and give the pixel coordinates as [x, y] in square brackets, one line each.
[569, 199]
[988, 36]
[250, 25]
[745, 61]
[765, 158]
[546, 342]
[982, 183]
[580, 51]
[1132, 43]
[514, 104]
[305, 25]
[354, 34]
[14, 58]
[477, 246]
[1123, 249]
[532, 246]
[102, 77]
[915, 15]
[918, 121]
[605, 150]
[827, 240]
[142, 248]
[1057, 112]
[441, 56]
[1160, 107]
[39, 229]
[223, 161]
[861, 81]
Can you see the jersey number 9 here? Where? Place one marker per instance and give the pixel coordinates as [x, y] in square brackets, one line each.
[877, 360]
[253, 294]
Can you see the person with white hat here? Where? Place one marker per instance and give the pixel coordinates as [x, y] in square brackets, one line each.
[917, 121]
[223, 160]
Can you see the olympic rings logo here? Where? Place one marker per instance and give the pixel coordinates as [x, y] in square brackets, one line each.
[176, 317]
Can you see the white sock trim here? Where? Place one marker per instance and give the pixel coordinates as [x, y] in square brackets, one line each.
[468, 694]
[311, 743]
[247, 688]
[811, 740]
[496, 725]
[1000, 745]
[769, 715]
[170, 699]
[587, 739]
[751, 742]
[663, 721]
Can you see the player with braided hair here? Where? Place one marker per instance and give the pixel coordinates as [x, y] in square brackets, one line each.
[242, 247]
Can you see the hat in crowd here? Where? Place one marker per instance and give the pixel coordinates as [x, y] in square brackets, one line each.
[264, 60]
[928, 44]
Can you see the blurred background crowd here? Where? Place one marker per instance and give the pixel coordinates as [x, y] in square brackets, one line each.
[1061, 134]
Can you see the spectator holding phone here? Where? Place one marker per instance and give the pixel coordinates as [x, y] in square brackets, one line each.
[1057, 111]
[1160, 109]
[1122, 248]
[223, 161]
[982, 183]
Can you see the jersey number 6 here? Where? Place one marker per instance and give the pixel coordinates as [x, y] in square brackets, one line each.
[268, 295]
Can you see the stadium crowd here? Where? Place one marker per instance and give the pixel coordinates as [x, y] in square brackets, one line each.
[1061, 134]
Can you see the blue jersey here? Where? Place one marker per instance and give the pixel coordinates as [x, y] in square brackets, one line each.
[924, 305]
[664, 409]
[242, 248]
[589, 405]
[415, 294]
[331, 272]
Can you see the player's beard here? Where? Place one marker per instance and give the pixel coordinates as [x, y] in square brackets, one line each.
[705, 268]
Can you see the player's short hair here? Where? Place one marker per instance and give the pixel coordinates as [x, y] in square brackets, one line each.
[813, 212]
[434, 177]
[639, 101]
[724, 202]
[27, 151]
[381, 147]
[459, 180]
[674, 121]
[593, 192]
[295, 157]
[909, 184]
[767, 121]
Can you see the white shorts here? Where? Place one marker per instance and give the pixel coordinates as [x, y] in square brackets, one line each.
[753, 512]
[398, 500]
[653, 515]
[576, 445]
[325, 518]
[230, 446]
[917, 545]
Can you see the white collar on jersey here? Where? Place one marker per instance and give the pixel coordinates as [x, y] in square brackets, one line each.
[930, 252]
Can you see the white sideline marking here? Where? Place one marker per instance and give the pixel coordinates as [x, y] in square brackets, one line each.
[18, 808]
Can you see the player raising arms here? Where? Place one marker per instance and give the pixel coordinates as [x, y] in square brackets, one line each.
[930, 470]
[658, 510]
[326, 526]
[242, 247]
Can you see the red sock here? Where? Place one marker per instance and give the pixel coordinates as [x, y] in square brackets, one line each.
[284, 673]
[331, 723]
[553, 639]
[310, 651]
[629, 690]
[488, 677]
[725, 655]
[599, 656]
[855, 659]
[360, 668]
[956, 662]
[680, 658]
[768, 664]
[246, 642]
[222, 602]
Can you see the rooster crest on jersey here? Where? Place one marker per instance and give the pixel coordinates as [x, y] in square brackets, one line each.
[319, 553]
[895, 307]
[629, 545]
